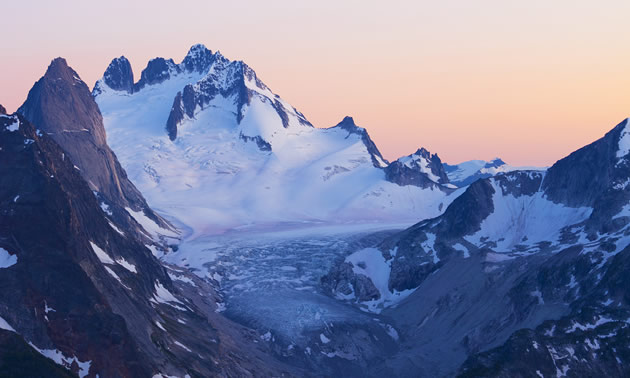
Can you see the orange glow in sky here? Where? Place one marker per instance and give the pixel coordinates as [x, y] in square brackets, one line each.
[527, 81]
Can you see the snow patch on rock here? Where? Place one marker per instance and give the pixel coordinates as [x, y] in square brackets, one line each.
[102, 255]
[6, 259]
[60, 359]
[371, 263]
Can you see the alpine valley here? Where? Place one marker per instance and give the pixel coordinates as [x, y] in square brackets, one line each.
[192, 223]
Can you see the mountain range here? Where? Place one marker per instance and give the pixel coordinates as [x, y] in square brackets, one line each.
[502, 271]
[522, 271]
[209, 127]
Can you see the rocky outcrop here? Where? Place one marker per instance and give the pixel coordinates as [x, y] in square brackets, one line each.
[119, 75]
[347, 124]
[582, 177]
[157, 71]
[199, 59]
[343, 283]
[60, 104]
[262, 144]
[18, 359]
[421, 169]
[175, 117]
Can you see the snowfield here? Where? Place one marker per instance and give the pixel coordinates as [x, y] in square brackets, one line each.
[525, 220]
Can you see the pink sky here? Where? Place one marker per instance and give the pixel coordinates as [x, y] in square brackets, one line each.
[527, 81]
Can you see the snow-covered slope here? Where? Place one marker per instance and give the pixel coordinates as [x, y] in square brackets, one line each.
[207, 142]
[464, 174]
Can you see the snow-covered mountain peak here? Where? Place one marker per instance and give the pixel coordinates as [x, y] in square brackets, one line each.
[420, 169]
[196, 65]
[347, 123]
[421, 157]
[185, 135]
[198, 59]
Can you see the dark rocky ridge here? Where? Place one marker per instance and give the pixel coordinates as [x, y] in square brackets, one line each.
[157, 71]
[262, 144]
[407, 170]
[598, 169]
[48, 227]
[119, 75]
[61, 105]
[347, 124]
[591, 340]
[489, 308]
[106, 313]
[18, 359]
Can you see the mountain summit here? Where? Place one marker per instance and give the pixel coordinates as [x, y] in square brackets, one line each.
[119, 75]
[61, 105]
[347, 124]
[209, 126]
[529, 263]
[421, 169]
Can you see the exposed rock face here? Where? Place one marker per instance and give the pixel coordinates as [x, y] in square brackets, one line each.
[92, 294]
[598, 169]
[593, 340]
[198, 59]
[348, 125]
[421, 169]
[49, 218]
[342, 282]
[545, 252]
[157, 71]
[61, 105]
[119, 75]
[262, 144]
[175, 117]
[18, 359]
